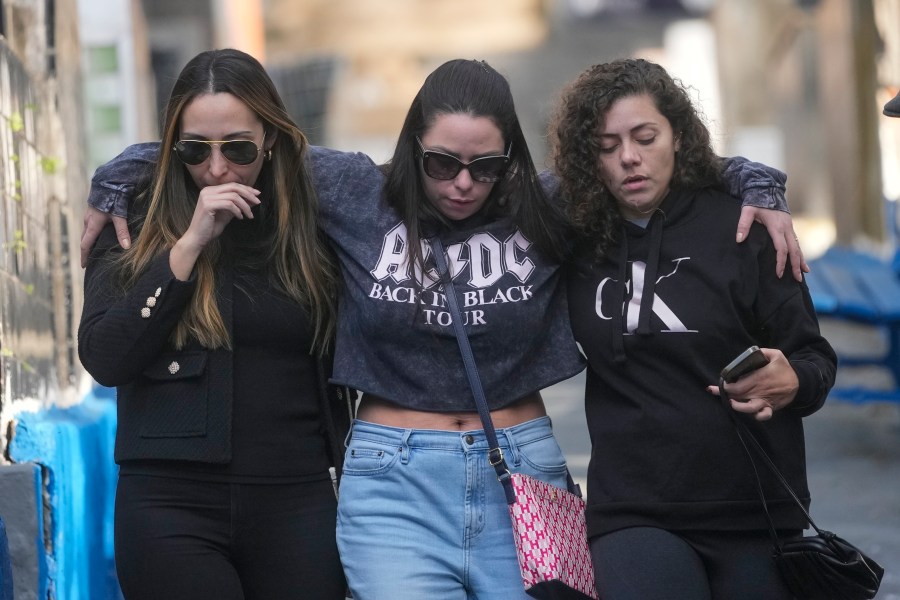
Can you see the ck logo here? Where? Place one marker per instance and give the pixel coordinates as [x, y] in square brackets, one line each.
[634, 291]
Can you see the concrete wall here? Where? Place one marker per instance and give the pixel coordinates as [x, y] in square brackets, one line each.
[6, 589]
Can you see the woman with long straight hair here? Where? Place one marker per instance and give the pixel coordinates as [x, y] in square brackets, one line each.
[215, 327]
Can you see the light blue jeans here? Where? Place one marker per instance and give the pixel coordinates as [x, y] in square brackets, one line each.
[421, 514]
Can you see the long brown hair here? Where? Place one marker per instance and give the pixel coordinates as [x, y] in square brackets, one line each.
[301, 262]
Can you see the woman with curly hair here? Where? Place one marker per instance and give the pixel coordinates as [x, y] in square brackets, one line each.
[661, 298]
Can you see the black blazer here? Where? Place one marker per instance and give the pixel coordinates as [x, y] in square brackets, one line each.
[172, 404]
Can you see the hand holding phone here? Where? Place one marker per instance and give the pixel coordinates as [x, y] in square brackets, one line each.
[749, 360]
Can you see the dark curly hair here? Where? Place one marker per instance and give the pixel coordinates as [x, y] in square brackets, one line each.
[575, 142]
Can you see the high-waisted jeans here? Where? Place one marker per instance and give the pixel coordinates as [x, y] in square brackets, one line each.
[422, 515]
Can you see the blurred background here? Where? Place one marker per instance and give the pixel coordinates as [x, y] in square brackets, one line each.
[796, 84]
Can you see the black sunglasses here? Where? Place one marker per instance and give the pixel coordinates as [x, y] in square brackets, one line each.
[239, 152]
[487, 169]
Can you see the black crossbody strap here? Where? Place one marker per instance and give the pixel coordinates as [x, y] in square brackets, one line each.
[745, 434]
[495, 454]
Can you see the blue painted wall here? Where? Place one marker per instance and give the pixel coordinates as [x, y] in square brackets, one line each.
[75, 446]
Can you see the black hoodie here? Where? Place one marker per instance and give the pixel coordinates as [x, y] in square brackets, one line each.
[674, 303]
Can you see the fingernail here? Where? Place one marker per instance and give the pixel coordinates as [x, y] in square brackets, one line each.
[740, 237]
[126, 243]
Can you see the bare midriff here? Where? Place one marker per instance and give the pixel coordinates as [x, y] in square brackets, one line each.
[383, 412]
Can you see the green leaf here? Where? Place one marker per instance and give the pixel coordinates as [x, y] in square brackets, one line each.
[16, 123]
[18, 244]
[50, 164]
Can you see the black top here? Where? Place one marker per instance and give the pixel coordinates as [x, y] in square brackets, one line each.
[276, 428]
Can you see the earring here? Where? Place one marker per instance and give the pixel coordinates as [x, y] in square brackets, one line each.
[269, 154]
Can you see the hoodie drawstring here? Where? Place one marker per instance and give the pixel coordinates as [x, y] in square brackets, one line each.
[649, 289]
[650, 272]
[618, 318]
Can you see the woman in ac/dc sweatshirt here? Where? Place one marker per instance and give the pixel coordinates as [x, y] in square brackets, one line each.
[661, 299]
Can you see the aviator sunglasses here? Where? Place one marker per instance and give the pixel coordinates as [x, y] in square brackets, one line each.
[239, 152]
[487, 169]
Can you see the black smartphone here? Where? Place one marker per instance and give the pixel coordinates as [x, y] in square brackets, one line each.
[749, 360]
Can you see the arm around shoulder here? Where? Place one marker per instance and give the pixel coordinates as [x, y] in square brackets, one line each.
[116, 182]
[754, 183]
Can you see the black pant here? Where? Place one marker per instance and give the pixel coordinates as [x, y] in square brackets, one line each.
[647, 563]
[183, 539]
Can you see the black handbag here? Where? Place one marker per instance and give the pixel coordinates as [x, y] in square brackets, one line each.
[816, 567]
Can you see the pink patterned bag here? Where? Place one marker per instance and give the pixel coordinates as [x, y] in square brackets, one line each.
[551, 540]
[548, 522]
